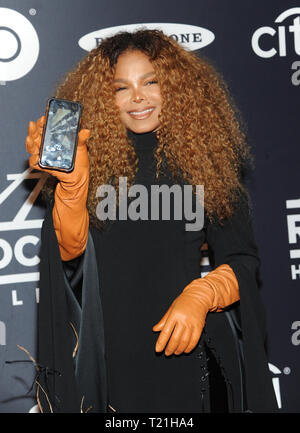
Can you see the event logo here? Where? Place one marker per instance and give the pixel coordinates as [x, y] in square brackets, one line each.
[20, 222]
[276, 383]
[295, 335]
[19, 45]
[279, 36]
[15, 250]
[191, 37]
[293, 226]
[279, 40]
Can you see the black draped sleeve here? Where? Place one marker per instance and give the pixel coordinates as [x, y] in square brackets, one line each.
[232, 243]
[71, 355]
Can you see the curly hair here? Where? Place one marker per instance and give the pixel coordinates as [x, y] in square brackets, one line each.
[200, 135]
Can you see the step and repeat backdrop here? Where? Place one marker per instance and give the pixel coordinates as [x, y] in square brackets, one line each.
[255, 45]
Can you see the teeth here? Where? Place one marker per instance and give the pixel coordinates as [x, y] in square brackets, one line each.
[141, 112]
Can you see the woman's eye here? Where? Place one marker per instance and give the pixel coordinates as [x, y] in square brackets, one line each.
[152, 82]
[118, 89]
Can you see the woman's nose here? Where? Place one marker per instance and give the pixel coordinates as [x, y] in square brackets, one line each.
[138, 99]
[137, 96]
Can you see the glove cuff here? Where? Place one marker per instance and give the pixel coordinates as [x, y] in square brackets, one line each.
[217, 290]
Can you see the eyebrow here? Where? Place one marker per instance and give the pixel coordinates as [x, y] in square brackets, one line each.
[148, 74]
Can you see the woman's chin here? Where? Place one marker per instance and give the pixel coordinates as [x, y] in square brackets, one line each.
[142, 127]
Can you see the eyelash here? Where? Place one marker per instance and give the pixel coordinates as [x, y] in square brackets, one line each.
[152, 82]
[148, 82]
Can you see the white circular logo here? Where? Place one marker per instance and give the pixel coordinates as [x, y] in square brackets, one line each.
[19, 45]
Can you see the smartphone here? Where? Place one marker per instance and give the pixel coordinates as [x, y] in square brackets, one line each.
[59, 139]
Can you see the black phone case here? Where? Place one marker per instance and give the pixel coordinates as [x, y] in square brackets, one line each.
[44, 133]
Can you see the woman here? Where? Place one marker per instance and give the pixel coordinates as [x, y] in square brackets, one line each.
[121, 323]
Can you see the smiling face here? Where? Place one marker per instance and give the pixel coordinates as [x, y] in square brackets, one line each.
[137, 93]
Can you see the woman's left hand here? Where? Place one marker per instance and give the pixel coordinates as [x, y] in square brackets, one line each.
[183, 322]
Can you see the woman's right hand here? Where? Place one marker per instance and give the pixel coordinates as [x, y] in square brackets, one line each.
[81, 168]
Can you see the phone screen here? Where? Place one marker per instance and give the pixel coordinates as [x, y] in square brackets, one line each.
[60, 135]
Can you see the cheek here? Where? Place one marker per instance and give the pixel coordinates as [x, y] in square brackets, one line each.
[120, 101]
[158, 101]
[157, 97]
[153, 94]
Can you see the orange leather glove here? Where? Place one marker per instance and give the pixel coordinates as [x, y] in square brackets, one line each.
[70, 215]
[186, 316]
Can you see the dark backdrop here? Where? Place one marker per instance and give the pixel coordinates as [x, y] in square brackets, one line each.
[256, 47]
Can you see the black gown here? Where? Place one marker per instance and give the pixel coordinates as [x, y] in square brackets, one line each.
[143, 267]
[124, 283]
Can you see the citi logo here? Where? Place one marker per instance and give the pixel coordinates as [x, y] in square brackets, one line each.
[19, 45]
[190, 37]
[269, 41]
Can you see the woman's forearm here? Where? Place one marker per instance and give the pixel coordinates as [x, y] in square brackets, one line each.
[71, 223]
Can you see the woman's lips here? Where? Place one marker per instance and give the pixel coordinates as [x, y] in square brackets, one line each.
[141, 114]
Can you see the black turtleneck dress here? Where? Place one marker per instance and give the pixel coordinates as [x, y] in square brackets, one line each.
[143, 266]
[131, 272]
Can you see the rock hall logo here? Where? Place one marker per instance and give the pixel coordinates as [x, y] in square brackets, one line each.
[19, 45]
[18, 224]
[293, 229]
[190, 37]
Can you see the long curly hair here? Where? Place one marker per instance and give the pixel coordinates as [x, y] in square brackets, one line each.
[200, 135]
